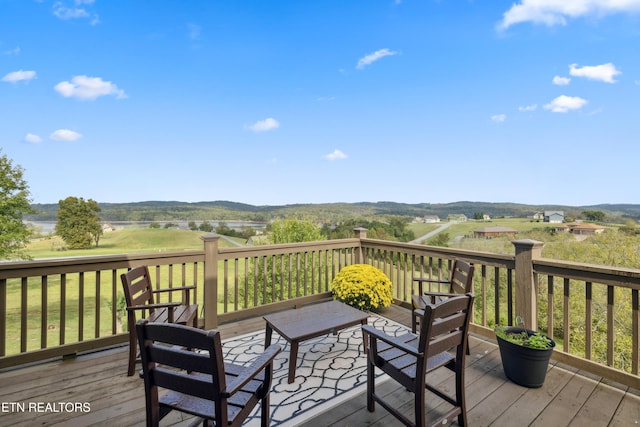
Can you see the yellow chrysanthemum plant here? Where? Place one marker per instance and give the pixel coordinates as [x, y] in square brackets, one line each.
[362, 286]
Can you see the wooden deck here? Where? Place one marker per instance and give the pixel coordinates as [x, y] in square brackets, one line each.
[567, 397]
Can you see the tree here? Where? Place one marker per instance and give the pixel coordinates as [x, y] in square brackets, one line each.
[224, 229]
[292, 231]
[440, 239]
[595, 216]
[286, 275]
[78, 222]
[206, 227]
[14, 202]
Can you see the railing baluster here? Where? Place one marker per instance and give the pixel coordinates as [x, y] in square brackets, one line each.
[550, 307]
[23, 315]
[246, 282]
[588, 321]
[496, 290]
[63, 307]
[44, 327]
[97, 307]
[635, 331]
[566, 315]
[483, 287]
[274, 284]
[114, 301]
[81, 306]
[610, 325]
[510, 298]
[3, 317]
[225, 286]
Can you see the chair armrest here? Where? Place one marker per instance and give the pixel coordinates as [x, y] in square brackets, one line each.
[425, 279]
[392, 341]
[252, 370]
[181, 288]
[186, 289]
[148, 306]
[441, 294]
[422, 280]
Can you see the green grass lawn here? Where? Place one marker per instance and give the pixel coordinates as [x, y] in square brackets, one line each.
[128, 240]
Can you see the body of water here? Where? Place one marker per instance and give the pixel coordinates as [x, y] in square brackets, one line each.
[47, 227]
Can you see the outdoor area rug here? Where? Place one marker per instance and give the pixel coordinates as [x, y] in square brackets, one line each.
[330, 370]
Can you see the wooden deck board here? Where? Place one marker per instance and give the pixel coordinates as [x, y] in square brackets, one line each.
[567, 398]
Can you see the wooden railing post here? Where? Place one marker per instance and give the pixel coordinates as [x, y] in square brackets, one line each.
[361, 233]
[526, 288]
[210, 297]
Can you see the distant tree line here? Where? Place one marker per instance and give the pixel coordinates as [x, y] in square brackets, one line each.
[394, 228]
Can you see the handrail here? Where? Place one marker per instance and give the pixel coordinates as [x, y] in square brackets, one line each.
[579, 305]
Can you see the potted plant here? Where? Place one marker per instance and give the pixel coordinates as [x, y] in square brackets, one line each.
[525, 354]
[362, 286]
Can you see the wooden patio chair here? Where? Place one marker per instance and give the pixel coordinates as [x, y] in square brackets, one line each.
[459, 282]
[139, 294]
[199, 382]
[408, 358]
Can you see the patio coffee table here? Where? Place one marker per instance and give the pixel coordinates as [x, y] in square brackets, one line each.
[310, 322]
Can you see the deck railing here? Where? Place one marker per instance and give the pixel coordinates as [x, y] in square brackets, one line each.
[58, 307]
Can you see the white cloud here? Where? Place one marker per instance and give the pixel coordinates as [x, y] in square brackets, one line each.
[561, 81]
[14, 51]
[264, 125]
[194, 31]
[564, 104]
[603, 72]
[33, 138]
[65, 13]
[532, 107]
[556, 12]
[84, 87]
[499, 118]
[65, 135]
[17, 76]
[373, 57]
[336, 155]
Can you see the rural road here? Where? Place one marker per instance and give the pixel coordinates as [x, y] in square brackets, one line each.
[431, 233]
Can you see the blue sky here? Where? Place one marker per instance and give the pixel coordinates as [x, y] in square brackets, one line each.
[282, 102]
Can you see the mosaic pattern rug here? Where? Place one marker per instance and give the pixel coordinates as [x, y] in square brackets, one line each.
[330, 369]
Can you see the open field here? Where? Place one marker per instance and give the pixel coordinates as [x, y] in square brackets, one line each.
[128, 240]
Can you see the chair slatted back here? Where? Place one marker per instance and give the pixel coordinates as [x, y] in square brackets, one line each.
[461, 277]
[445, 324]
[137, 286]
[167, 361]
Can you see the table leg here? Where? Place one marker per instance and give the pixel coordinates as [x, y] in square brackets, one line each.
[365, 337]
[267, 336]
[293, 358]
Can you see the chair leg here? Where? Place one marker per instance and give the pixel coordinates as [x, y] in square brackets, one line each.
[264, 411]
[371, 386]
[419, 406]
[414, 322]
[133, 352]
[460, 397]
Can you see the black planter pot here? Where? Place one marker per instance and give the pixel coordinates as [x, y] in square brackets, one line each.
[525, 366]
